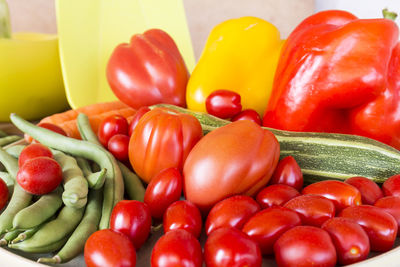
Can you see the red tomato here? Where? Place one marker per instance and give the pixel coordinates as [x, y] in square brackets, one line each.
[3, 194]
[107, 248]
[268, 225]
[248, 114]
[138, 115]
[349, 238]
[313, 209]
[305, 246]
[391, 187]
[48, 126]
[276, 195]
[223, 104]
[33, 151]
[110, 126]
[132, 218]
[343, 195]
[370, 191]
[162, 139]
[163, 190]
[40, 175]
[391, 205]
[177, 248]
[183, 215]
[288, 172]
[231, 212]
[118, 146]
[238, 158]
[379, 225]
[231, 248]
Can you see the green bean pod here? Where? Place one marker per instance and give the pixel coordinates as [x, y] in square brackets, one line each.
[26, 234]
[95, 179]
[3, 133]
[133, 184]
[15, 151]
[6, 177]
[9, 139]
[8, 237]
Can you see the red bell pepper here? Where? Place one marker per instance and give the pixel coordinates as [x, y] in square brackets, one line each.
[149, 70]
[338, 73]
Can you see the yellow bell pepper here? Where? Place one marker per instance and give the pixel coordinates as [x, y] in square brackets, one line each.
[241, 56]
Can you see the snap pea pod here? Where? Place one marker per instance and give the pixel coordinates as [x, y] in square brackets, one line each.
[9, 236]
[132, 183]
[26, 234]
[95, 179]
[80, 148]
[9, 139]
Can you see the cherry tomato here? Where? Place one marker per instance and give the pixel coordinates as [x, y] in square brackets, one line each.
[266, 226]
[305, 246]
[138, 115]
[40, 175]
[223, 104]
[110, 126]
[231, 248]
[177, 248]
[107, 248]
[231, 212]
[391, 205]
[276, 195]
[33, 151]
[132, 218]
[379, 225]
[183, 215]
[288, 172]
[349, 238]
[163, 190]
[391, 187]
[370, 191]
[3, 194]
[313, 209]
[343, 195]
[118, 145]
[248, 114]
[48, 126]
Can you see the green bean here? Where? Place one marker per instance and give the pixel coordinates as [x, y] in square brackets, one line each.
[15, 151]
[8, 237]
[9, 139]
[133, 185]
[95, 179]
[6, 177]
[85, 130]
[96, 153]
[27, 234]
[3, 133]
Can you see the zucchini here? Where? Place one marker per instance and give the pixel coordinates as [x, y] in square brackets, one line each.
[323, 156]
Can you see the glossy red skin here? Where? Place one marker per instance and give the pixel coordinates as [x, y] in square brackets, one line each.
[276, 195]
[314, 210]
[3, 194]
[379, 225]
[33, 151]
[177, 248]
[266, 226]
[349, 238]
[138, 115]
[132, 218]
[173, 136]
[369, 190]
[40, 175]
[304, 246]
[48, 126]
[391, 187]
[329, 96]
[231, 212]
[163, 190]
[183, 215]
[248, 114]
[229, 247]
[110, 126]
[391, 205]
[342, 194]
[147, 71]
[107, 248]
[118, 145]
[288, 172]
[223, 104]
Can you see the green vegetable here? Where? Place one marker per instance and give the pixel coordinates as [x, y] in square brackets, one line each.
[133, 184]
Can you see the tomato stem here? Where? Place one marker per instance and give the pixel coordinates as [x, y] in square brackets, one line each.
[389, 14]
[5, 25]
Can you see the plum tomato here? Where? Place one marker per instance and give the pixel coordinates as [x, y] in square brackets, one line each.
[288, 172]
[343, 195]
[379, 225]
[230, 247]
[3, 194]
[118, 145]
[349, 238]
[248, 114]
[48, 126]
[110, 126]
[370, 191]
[391, 187]
[266, 226]
[276, 195]
[40, 175]
[163, 190]
[223, 104]
[313, 209]
[132, 218]
[183, 214]
[33, 151]
[305, 246]
[391, 205]
[109, 248]
[177, 248]
[135, 119]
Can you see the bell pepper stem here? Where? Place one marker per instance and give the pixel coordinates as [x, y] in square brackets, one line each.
[5, 25]
[389, 14]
